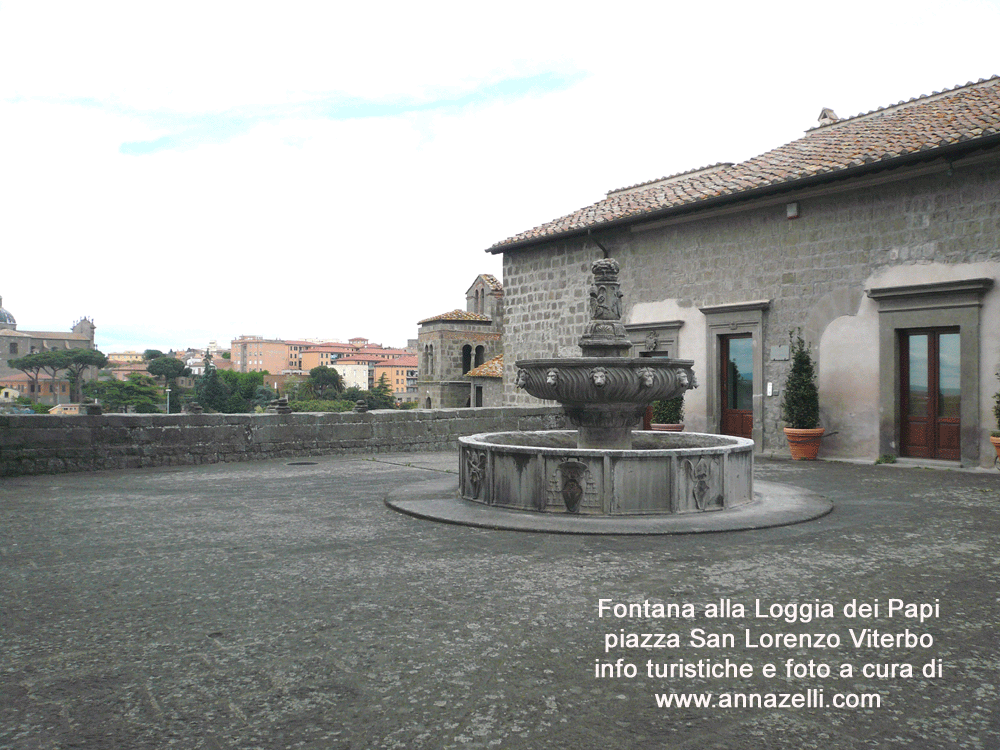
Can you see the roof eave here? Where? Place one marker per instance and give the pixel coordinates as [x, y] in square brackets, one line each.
[939, 152]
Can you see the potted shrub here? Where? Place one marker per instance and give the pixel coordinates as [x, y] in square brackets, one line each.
[668, 415]
[800, 405]
[995, 434]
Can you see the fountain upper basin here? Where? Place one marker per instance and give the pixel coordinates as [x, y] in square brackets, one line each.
[605, 380]
[605, 397]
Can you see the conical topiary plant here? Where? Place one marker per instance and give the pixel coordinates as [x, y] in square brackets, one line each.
[800, 405]
[996, 411]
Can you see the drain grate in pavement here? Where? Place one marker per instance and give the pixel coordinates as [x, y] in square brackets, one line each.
[301, 463]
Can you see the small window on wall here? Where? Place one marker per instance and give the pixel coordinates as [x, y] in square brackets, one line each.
[13, 348]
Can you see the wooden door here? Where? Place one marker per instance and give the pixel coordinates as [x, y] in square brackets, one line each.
[930, 394]
[737, 385]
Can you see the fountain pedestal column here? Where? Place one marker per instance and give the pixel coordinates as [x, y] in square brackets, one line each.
[607, 426]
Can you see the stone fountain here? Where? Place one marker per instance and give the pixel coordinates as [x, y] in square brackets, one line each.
[605, 392]
[604, 468]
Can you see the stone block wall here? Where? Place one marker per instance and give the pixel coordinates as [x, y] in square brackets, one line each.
[940, 224]
[43, 444]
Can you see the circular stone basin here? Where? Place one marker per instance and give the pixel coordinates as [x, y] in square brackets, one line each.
[663, 473]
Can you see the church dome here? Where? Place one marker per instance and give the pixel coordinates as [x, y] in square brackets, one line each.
[6, 319]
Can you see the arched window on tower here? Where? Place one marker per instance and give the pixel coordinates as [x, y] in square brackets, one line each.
[466, 358]
[480, 353]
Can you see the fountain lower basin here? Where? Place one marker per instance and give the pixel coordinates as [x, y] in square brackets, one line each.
[663, 473]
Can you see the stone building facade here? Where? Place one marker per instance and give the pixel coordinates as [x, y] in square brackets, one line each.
[453, 343]
[486, 383]
[877, 237]
[15, 344]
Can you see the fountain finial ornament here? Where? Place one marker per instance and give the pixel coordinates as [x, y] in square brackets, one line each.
[605, 336]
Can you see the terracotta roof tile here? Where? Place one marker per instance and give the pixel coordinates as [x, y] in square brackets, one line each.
[920, 125]
[407, 361]
[492, 368]
[459, 315]
[493, 281]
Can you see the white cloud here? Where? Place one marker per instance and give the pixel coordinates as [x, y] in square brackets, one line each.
[190, 171]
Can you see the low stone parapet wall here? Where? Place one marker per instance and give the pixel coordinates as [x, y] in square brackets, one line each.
[45, 444]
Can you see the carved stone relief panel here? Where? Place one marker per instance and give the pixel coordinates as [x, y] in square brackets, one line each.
[701, 483]
[572, 485]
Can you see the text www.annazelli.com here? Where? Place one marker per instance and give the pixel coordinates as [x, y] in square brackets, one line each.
[809, 699]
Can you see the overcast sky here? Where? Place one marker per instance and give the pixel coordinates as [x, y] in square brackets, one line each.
[182, 172]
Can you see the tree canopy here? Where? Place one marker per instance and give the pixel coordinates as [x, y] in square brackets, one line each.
[168, 368]
[379, 397]
[31, 365]
[73, 361]
[325, 382]
[211, 391]
[232, 392]
[76, 361]
[139, 391]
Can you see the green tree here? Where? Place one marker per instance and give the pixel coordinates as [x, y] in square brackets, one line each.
[382, 395]
[211, 391]
[379, 397]
[76, 361]
[168, 368]
[263, 396]
[139, 392]
[151, 354]
[31, 365]
[242, 390]
[53, 361]
[325, 382]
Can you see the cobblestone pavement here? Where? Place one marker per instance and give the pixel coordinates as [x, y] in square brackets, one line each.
[275, 605]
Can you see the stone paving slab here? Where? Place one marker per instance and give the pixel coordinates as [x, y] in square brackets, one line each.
[265, 605]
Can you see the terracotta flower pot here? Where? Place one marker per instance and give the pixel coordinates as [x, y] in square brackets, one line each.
[996, 445]
[804, 444]
[667, 427]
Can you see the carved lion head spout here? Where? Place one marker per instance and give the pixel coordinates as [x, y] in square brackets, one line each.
[522, 379]
[600, 376]
[646, 375]
[552, 377]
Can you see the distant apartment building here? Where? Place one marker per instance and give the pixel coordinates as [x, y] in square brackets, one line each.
[324, 354]
[355, 373]
[293, 355]
[401, 374]
[257, 354]
[379, 352]
[355, 360]
[127, 357]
